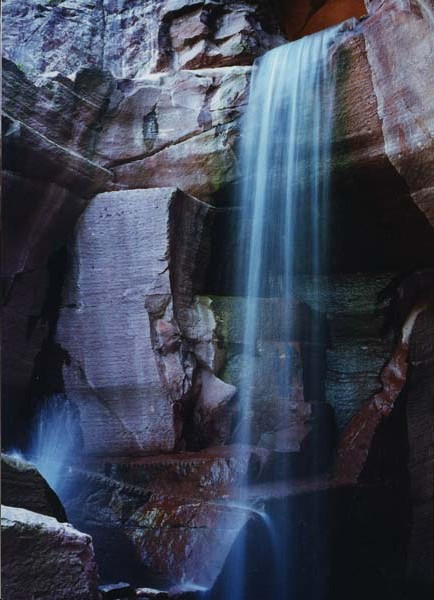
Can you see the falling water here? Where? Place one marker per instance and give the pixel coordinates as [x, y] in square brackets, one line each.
[55, 439]
[285, 162]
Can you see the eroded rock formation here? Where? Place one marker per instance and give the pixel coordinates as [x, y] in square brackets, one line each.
[108, 101]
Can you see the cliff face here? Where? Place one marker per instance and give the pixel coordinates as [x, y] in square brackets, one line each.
[116, 281]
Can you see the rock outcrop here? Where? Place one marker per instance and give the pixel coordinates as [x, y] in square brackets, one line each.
[24, 487]
[176, 130]
[125, 322]
[131, 39]
[45, 559]
[162, 535]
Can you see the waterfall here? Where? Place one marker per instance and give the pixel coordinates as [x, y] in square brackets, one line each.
[285, 159]
[285, 164]
[55, 441]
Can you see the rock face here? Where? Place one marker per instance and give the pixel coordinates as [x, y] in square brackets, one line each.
[45, 559]
[141, 143]
[24, 487]
[162, 534]
[404, 93]
[209, 34]
[132, 39]
[47, 179]
[131, 370]
[308, 16]
[114, 98]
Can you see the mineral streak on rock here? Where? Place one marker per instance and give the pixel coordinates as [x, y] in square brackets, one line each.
[356, 441]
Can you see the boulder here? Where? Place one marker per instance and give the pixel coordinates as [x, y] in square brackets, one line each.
[137, 259]
[161, 536]
[45, 559]
[24, 487]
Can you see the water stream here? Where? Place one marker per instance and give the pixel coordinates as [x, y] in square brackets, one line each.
[285, 164]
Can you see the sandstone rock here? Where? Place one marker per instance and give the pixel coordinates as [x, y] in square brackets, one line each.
[46, 559]
[165, 537]
[211, 415]
[206, 34]
[50, 133]
[132, 39]
[357, 440]
[188, 529]
[278, 398]
[44, 36]
[176, 130]
[405, 105]
[24, 487]
[141, 254]
[48, 177]
[189, 473]
[305, 17]
[162, 525]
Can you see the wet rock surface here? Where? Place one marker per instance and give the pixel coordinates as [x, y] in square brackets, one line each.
[44, 558]
[419, 393]
[160, 531]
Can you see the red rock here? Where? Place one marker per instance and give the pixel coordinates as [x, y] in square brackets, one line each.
[402, 89]
[356, 441]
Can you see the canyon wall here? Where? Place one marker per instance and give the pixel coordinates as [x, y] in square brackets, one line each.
[121, 125]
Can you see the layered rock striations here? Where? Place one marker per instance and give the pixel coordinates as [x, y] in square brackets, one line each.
[132, 39]
[133, 363]
[111, 108]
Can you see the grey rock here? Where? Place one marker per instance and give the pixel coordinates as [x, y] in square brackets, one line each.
[116, 591]
[24, 487]
[137, 258]
[134, 38]
[45, 559]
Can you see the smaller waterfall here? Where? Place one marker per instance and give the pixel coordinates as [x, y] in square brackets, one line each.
[55, 439]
